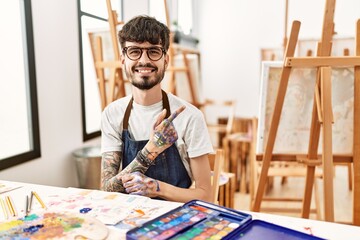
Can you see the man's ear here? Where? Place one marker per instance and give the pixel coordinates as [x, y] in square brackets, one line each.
[167, 58]
[122, 59]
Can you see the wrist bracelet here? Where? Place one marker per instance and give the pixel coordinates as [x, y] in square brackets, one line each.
[146, 162]
[147, 153]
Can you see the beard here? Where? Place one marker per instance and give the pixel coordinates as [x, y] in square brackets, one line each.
[144, 82]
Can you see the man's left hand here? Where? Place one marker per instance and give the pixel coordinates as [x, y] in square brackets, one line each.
[138, 184]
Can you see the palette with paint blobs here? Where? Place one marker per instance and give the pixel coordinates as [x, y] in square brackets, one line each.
[54, 225]
[202, 220]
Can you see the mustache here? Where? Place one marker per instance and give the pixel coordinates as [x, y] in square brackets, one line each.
[149, 65]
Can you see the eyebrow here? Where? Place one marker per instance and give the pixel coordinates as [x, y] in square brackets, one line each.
[144, 47]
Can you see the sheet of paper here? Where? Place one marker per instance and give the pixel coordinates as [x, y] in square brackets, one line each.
[108, 207]
[8, 186]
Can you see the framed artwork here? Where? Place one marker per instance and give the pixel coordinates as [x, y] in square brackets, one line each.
[295, 120]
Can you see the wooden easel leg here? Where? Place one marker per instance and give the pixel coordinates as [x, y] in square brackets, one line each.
[120, 84]
[317, 201]
[190, 80]
[327, 155]
[112, 82]
[356, 147]
[172, 84]
[309, 183]
[253, 163]
[313, 148]
[98, 57]
[276, 117]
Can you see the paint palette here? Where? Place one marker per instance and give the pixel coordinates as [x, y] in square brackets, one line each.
[54, 225]
[202, 220]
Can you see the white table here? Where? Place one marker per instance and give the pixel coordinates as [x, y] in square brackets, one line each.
[322, 229]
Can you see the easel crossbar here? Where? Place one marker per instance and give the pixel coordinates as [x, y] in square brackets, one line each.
[294, 157]
[109, 64]
[322, 62]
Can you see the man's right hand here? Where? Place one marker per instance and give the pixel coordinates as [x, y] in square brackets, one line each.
[163, 135]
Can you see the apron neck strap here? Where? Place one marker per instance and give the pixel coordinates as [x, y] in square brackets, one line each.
[166, 105]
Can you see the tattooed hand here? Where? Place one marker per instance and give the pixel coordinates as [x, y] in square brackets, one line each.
[164, 134]
[138, 184]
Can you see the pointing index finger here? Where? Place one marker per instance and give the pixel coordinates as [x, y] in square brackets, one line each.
[176, 113]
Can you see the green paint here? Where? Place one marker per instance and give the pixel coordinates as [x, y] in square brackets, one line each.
[31, 217]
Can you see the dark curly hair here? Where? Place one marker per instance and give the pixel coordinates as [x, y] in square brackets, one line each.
[145, 29]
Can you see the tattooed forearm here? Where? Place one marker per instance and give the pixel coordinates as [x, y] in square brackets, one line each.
[111, 174]
[134, 166]
[110, 165]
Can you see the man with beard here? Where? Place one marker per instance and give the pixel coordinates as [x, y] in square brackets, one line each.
[153, 143]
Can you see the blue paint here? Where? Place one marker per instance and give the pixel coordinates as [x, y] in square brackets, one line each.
[85, 210]
[33, 229]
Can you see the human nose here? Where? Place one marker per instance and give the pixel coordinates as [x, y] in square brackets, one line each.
[144, 56]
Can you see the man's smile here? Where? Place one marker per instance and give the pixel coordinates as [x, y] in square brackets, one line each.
[144, 70]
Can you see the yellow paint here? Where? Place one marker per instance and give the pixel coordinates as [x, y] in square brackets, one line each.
[11, 224]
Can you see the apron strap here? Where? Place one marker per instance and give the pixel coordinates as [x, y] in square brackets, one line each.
[166, 105]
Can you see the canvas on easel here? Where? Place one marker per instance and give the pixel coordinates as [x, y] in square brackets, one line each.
[294, 128]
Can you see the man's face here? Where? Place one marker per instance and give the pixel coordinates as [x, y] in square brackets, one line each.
[144, 73]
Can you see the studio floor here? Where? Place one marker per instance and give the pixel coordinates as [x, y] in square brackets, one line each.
[294, 187]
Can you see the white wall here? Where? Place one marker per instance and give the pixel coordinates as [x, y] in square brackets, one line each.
[231, 34]
[58, 87]
[230, 38]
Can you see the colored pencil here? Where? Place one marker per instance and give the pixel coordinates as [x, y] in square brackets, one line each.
[26, 205]
[30, 202]
[4, 208]
[39, 199]
[11, 206]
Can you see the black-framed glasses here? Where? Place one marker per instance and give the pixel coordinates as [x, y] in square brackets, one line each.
[135, 53]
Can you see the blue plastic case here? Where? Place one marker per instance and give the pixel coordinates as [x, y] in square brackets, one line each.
[202, 220]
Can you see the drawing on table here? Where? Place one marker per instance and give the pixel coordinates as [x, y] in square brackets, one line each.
[108, 207]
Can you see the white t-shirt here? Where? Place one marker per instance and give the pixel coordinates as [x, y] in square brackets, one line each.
[193, 136]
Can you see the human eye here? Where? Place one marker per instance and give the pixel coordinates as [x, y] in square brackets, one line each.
[155, 51]
[134, 52]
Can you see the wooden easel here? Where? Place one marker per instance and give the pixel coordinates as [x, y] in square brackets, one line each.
[113, 86]
[176, 49]
[110, 87]
[117, 72]
[321, 116]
